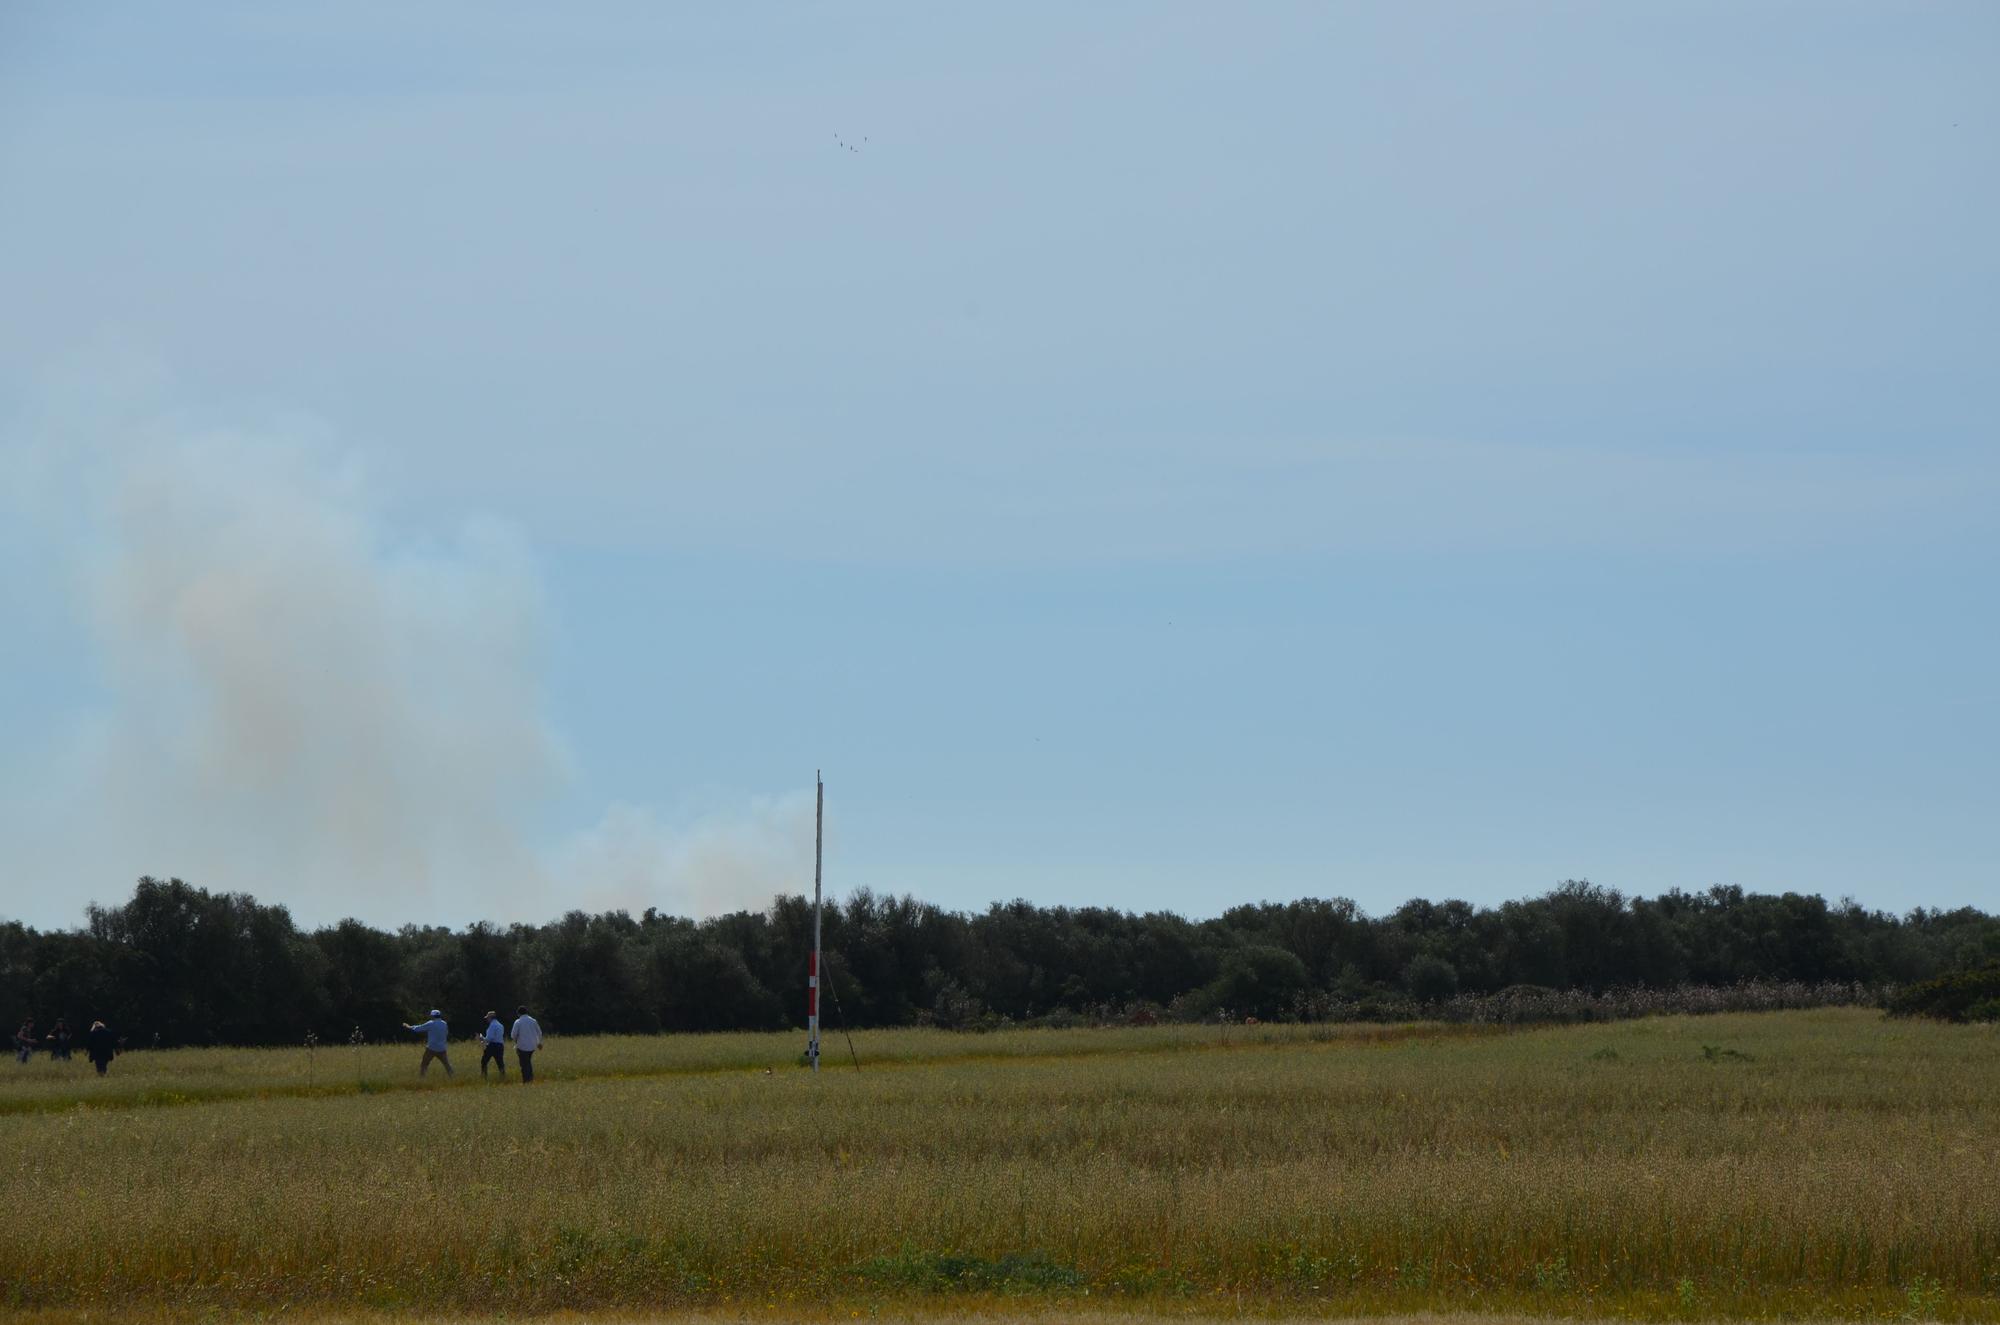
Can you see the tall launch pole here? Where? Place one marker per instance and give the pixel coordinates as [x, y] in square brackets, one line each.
[812, 970]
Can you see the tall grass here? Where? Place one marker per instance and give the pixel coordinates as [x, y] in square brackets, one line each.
[1825, 1162]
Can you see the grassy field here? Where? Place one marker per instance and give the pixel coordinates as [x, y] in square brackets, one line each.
[191, 1076]
[1815, 1165]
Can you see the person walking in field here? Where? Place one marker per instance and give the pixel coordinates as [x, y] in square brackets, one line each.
[100, 1045]
[496, 1045]
[59, 1039]
[437, 1042]
[25, 1041]
[527, 1035]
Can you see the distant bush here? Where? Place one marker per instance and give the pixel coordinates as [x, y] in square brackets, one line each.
[1972, 995]
[1522, 1005]
[1430, 979]
[940, 1272]
[1537, 1004]
[1260, 980]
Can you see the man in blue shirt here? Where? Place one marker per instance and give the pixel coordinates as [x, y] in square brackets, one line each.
[436, 1042]
[496, 1045]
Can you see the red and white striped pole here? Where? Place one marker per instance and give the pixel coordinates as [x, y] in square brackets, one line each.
[812, 964]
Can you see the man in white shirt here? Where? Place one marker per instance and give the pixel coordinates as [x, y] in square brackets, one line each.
[527, 1036]
[496, 1040]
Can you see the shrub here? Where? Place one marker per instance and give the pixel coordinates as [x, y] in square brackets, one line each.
[1430, 979]
[1972, 995]
[944, 1272]
[1259, 980]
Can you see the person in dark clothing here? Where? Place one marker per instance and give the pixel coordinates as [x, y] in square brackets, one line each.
[496, 1045]
[25, 1042]
[58, 1040]
[101, 1045]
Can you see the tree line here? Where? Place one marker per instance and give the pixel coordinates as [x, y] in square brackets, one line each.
[197, 967]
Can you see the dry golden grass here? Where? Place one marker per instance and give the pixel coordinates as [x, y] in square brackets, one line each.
[1820, 1164]
[969, 1312]
[976, 1312]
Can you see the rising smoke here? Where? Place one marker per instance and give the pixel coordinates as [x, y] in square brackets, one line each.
[298, 703]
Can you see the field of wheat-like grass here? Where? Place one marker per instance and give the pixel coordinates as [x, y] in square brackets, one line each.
[1809, 1164]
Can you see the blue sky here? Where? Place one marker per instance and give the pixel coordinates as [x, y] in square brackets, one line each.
[472, 461]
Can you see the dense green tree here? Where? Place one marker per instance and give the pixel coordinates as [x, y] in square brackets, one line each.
[1258, 980]
[196, 967]
[365, 981]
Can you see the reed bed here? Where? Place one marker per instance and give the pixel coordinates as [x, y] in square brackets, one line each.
[1535, 1005]
[1806, 1164]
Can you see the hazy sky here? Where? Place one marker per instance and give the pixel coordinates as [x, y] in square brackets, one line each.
[469, 460]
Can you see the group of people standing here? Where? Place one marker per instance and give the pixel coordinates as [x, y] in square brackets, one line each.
[526, 1033]
[100, 1045]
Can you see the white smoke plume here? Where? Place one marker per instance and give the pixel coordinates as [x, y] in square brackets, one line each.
[300, 705]
[716, 863]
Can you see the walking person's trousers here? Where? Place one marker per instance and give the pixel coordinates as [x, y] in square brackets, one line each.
[442, 1055]
[493, 1054]
[526, 1058]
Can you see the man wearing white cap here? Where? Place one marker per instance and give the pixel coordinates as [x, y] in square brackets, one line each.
[437, 1042]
